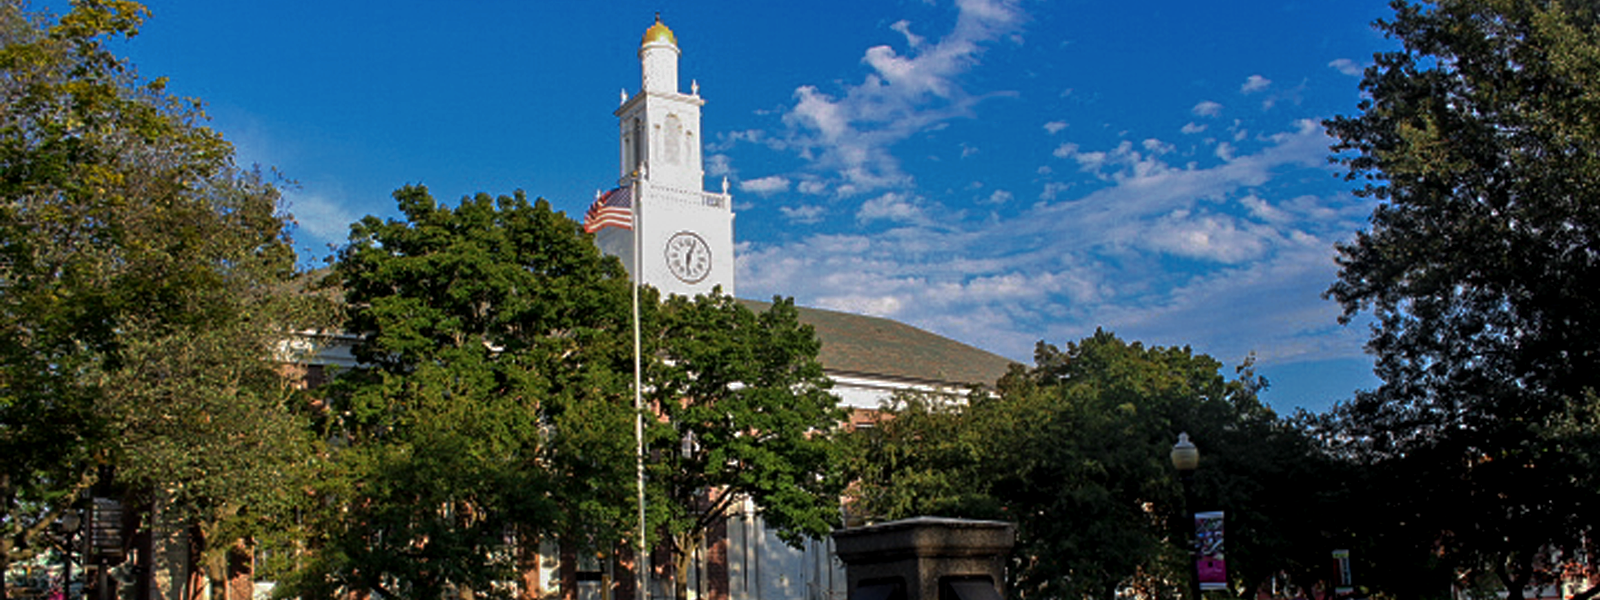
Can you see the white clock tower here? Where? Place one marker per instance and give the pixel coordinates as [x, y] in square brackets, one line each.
[681, 237]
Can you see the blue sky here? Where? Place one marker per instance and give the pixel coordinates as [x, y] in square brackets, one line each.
[997, 171]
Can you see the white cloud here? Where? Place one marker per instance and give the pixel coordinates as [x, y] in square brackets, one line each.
[1155, 146]
[1253, 263]
[1224, 151]
[1213, 238]
[1254, 83]
[765, 186]
[1052, 190]
[325, 220]
[1347, 66]
[807, 213]
[904, 27]
[877, 306]
[846, 137]
[728, 140]
[1120, 163]
[893, 206]
[813, 187]
[718, 165]
[1263, 210]
[1146, 238]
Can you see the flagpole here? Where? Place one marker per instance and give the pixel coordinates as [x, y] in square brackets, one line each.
[638, 401]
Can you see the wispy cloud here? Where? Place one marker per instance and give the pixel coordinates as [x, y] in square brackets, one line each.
[846, 137]
[1347, 66]
[321, 217]
[806, 213]
[893, 206]
[765, 186]
[1100, 257]
[1206, 240]
[1255, 83]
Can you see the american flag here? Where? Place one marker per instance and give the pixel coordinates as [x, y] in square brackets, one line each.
[611, 209]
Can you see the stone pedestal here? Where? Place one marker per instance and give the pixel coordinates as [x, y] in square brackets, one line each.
[926, 558]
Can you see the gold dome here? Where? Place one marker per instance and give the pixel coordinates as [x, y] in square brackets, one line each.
[658, 33]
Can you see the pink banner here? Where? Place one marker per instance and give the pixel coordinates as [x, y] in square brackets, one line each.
[1209, 564]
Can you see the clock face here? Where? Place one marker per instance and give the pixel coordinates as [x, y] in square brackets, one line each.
[688, 257]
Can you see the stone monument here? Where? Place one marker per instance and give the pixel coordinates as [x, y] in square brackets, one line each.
[926, 558]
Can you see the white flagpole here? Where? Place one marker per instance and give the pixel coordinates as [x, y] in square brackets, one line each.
[640, 560]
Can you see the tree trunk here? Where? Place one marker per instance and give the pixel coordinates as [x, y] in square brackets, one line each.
[1514, 573]
[527, 564]
[680, 574]
[682, 559]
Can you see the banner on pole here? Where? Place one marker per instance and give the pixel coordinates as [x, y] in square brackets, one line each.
[1209, 564]
[1343, 585]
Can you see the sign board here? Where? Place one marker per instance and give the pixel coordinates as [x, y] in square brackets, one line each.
[106, 530]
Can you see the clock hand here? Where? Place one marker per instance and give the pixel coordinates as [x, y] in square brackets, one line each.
[688, 258]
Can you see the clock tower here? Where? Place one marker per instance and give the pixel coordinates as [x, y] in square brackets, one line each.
[667, 230]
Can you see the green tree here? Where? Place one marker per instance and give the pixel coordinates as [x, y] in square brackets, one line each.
[1075, 451]
[1482, 270]
[145, 283]
[925, 459]
[204, 424]
[491, 399]
[741, 410]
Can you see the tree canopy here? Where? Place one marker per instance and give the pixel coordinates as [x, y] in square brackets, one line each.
[742, 411]
[1482, 270]
[492, 394]
[491, 397]
[1075, 451]
[143, 279]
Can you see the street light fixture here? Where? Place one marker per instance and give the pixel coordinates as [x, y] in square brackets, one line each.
[1186, 458]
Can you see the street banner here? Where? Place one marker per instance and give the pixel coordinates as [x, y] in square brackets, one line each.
[1343, 585]
[1209, 565]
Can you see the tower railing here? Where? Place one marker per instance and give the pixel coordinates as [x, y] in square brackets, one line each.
[657, 192]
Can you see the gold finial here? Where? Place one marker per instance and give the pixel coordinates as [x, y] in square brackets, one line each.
[659, 33]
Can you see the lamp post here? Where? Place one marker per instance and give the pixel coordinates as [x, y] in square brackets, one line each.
[69, 525]
[1186, 458]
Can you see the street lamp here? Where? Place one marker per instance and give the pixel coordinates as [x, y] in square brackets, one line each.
[1186, 458]
[69, 525]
